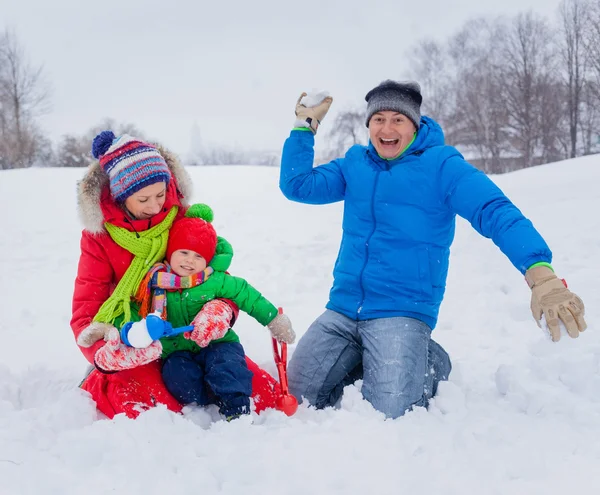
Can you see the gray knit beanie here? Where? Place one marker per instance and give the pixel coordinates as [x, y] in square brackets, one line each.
[403, 97]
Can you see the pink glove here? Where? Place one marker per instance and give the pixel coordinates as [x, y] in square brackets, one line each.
[211, 323]
[116, 356]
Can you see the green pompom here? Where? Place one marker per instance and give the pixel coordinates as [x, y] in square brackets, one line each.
[200, 210]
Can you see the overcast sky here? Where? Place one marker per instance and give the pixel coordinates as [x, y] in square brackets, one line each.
[234, 68]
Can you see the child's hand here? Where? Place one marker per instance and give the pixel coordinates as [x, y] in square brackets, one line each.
[211, 323]
[281, 328]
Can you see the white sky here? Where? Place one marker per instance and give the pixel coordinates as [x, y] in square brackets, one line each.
[233, 68]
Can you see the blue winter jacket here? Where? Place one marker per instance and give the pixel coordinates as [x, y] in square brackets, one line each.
[399, 221]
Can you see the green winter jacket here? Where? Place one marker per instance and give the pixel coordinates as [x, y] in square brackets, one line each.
[184, 305]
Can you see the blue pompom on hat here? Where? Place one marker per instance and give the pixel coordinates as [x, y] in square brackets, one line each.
[130, 164]
[101, 143]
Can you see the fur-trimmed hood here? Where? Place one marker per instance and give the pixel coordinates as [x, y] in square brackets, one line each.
[90, 191]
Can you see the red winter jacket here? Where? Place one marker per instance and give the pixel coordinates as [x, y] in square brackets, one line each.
[103, 262]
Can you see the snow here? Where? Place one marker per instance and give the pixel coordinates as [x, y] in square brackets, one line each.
[138, 335]
[520, 414]
[314, 97]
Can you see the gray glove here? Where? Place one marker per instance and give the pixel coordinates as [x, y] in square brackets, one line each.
[281, 328]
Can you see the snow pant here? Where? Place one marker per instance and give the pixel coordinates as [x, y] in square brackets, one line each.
[132, 391]
[217, 374]
[129, 391]
[398, 361]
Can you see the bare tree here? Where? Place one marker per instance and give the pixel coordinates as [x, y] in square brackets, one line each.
[75, 151]
[496, 87]
[118, 128]
[592, 37]
[589, 121]
[430, 66]
[24, 95]
[478, 120]
[483, 118]
[573, 23]
[591, 98]
[529, 62]
[235, 156]
[347, 129]
[554, 141]
[219, 156]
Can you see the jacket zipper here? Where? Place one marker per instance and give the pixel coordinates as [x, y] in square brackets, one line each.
[362, 287]
[387, 169]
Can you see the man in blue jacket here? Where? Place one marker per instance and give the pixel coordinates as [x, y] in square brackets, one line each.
[401, 194]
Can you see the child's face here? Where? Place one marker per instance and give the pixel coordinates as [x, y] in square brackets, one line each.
[185, 262]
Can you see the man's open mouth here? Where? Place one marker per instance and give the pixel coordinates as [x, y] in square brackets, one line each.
[389, 142]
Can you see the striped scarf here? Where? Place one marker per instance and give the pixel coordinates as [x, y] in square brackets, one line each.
[151, 295]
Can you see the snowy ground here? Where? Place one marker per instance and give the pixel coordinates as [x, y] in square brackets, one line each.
[520, 415]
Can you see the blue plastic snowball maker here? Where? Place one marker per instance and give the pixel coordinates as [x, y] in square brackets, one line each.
[157, 329]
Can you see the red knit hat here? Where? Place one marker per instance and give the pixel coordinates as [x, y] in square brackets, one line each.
[194, 232]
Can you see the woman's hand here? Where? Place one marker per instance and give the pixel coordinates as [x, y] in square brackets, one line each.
[116, 356]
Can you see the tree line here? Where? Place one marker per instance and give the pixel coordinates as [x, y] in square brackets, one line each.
[509, 92]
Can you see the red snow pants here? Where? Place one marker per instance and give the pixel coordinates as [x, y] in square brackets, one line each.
[134, 391]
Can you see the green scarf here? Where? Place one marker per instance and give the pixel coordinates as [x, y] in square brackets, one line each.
[148, 247]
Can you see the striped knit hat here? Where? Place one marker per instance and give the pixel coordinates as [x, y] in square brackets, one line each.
[130, 164]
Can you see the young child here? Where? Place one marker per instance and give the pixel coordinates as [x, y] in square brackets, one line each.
[206, 365]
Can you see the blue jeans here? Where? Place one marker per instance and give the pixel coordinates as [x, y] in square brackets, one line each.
[217, 374]
[398, 361]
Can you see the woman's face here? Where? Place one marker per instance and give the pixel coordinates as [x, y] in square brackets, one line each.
[148, 201]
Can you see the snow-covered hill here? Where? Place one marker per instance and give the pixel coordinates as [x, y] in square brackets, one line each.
[520, 415]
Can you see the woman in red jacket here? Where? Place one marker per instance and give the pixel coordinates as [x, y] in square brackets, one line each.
[127, 202]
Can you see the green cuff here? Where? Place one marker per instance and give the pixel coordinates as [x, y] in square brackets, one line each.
[301, 129]
[541, 263]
